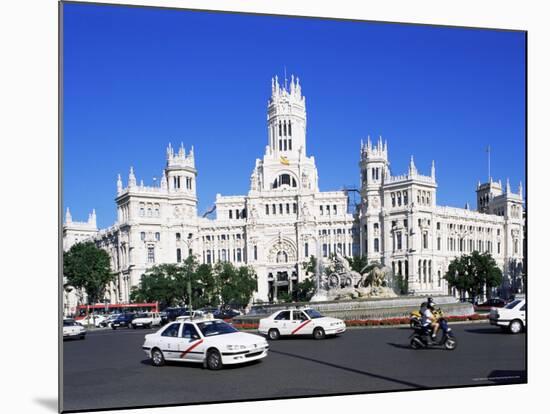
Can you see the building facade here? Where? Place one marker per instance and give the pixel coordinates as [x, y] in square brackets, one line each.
[284, 219]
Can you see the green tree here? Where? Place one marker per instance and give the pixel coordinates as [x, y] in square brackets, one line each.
[158, 284]
[488, 274]
[358, 263]
[310, 266]
[235, 285]
[304, 290]
[402, 285]
[197, 280]
[88, 267]
[473, 274]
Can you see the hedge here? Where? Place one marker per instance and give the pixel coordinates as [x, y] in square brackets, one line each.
[381, 322]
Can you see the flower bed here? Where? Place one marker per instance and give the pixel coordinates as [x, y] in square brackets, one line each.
[381, 322]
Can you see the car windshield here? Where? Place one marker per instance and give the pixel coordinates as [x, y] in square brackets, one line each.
[313, 314]
[513, 304]
[142, 315]
[211, 328]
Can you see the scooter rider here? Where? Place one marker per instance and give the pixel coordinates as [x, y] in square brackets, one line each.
[428, 318]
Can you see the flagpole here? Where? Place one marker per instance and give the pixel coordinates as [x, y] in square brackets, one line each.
[489, 162]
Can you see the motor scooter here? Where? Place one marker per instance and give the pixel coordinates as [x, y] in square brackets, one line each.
[422, 337]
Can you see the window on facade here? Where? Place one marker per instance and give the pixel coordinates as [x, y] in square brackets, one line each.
[399, 198]
[321, 210]
[273, 209]
[230, 214]
[208, 256]
[425, 240]
[376, 226]
[439, 243]
[325, 250]
[142, 235]
[151, 255]
[334, 209]
[255, 252]
[405, 198]
[239, 255]
[141, 209]
[267, 209]
[287, 208]
[157, 236]
[393, 199]
[178, 255]
[327, 209]
[280, 209]
[399, 241]
[306, 249]
[376, 245]
[294, 208]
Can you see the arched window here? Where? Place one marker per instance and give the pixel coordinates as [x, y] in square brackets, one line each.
[284, 128]
[280, 130]
[289, 129]
[282, 257]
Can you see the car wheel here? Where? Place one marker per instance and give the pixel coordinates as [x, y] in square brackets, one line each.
[148, 326]
[516, 326]
[319, 333]
[273, 334]
[214, 360]
[82, 336]
[157, 358]
[114, 327]
[133, 326]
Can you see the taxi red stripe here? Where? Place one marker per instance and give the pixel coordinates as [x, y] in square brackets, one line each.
[300, 327]
[191, 348]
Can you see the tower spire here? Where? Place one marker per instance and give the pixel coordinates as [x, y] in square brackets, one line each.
[520, 190]
[412, 167]
[68, 217]
[131, 178]
[433, 170]
[119, 185]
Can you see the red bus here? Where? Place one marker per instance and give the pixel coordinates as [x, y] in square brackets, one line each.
[102, 308]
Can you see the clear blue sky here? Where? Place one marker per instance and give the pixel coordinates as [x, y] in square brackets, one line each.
[137, 78]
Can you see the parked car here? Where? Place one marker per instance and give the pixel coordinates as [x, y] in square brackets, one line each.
[211, 342]
[122, 320]
[303, 321]
[146, 320]
[492, 303]
[106, 323]
[170, 314]
[226, 313]
[92, 319]
[187, 315]
[72, 329]
[511, 317]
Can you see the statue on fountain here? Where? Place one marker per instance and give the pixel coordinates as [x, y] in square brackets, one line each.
[338, 281]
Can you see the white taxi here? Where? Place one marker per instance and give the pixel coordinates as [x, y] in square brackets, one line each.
[510, 317]
[303, 321]
[212, 342]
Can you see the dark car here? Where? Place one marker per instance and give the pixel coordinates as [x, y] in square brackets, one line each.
[170, 314]
[226, 314]
[492, 303]
[123, 320]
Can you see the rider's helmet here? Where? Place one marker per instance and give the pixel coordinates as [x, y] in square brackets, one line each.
[431, 304]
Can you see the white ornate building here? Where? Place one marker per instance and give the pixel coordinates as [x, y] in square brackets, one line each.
[284, 218]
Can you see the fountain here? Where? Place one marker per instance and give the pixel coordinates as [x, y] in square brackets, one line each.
[337, 281]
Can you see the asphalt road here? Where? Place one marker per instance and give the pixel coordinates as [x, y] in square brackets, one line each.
[109, 369]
